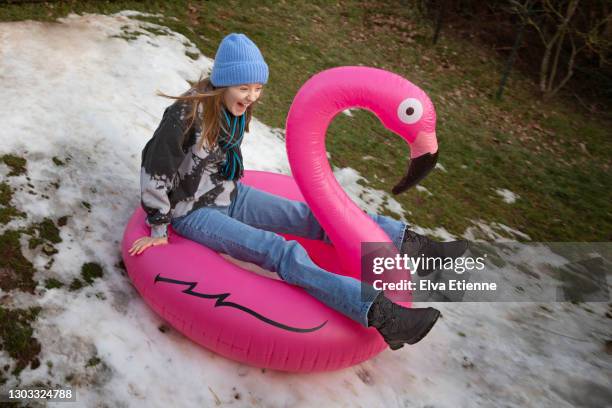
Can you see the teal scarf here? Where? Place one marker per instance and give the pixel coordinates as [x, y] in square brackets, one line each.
[229, 142]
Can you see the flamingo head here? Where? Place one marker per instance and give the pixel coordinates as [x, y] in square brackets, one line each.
[409, 113]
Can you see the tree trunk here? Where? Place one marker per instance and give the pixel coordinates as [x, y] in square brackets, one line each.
[548, 72]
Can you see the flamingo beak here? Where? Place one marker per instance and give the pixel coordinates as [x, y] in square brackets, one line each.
[418, 168]
[424, 155]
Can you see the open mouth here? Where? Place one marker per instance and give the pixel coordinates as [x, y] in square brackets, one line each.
[242, 105]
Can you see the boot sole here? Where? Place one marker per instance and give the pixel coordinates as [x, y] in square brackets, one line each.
[423, 333]
[398, 344]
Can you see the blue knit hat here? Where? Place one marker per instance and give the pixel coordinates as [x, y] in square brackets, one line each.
[238, 61]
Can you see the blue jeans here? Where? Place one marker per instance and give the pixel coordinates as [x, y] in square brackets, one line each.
[247, 230]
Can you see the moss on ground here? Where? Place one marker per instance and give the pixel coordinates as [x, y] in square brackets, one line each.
[7, 211]
[44, 233]
[90, 271]
[45, 230]
[16, 163]
[61, 221]
[6, 193]
[16, 272]
[53, 283]
[17, 339]
[94, 361]
[76, 284]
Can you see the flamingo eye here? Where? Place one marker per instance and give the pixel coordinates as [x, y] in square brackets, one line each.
[410, 110]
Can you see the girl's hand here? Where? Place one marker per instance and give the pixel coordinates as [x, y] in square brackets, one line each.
[143, 243]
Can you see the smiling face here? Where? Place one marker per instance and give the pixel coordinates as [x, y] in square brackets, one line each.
[237, 98]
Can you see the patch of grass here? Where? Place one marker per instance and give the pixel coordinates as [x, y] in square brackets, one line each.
[131, 35]
[17, 164]
[7, 211]
[48, 231]
[76, 284]
[94, 361]
[34, 242]
[6, 193]
[16, 336]
[49, 263]
[58, 161]
[90, 271]
[157, 31]
[193, 55]
[53, 283]
[16, 272]
[127, 35]
[61, 221]
[44, 233]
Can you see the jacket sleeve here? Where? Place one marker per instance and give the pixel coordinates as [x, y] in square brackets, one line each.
[161, 158]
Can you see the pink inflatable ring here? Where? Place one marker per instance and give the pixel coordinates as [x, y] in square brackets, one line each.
[265, 322]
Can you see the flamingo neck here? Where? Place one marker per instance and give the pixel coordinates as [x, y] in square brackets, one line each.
[309, 117]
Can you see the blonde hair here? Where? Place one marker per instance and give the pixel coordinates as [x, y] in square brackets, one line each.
[206, 99]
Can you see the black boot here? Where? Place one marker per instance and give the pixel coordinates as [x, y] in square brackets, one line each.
[399, 325]
[415, 245]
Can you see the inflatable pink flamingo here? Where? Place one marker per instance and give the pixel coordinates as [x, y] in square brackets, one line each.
[400, 105]
[269, 323]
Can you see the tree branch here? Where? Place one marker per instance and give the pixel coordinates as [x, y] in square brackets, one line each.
[553, 70]
[570, 69]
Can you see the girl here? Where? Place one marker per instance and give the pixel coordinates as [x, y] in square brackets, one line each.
[190, 179]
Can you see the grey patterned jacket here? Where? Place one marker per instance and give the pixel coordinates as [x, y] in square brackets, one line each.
[175, 177]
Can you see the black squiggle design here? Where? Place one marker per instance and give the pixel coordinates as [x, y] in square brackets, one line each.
[221, 302]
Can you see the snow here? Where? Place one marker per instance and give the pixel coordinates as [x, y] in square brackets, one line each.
[72, 90]
[507, 195]
[422, 189]
[368, 199]
[493, 232]
[440, 167]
